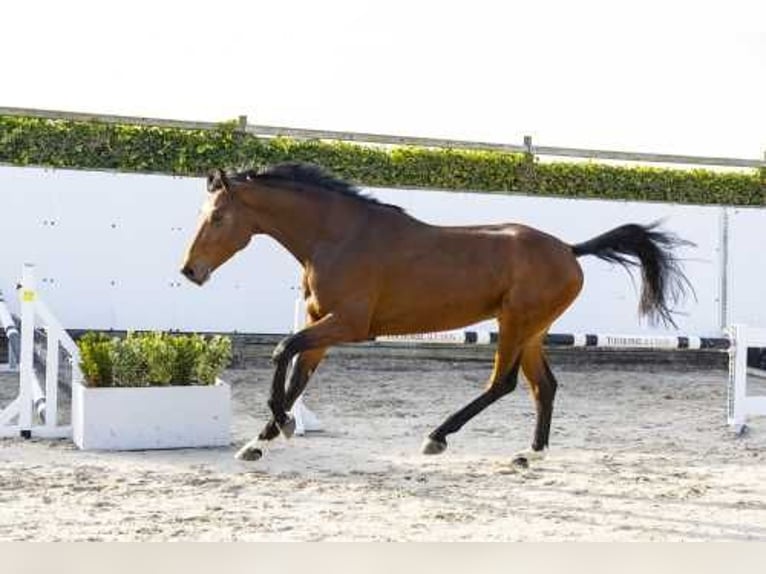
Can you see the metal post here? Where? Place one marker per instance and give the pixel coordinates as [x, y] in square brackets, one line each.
[27, 351]
[724, 269]
[528, 145]
[737, 388]
[51, 376]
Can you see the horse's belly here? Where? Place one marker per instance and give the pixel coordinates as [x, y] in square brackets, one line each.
[427, 316]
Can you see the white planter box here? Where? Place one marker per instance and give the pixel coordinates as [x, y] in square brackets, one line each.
[142, 418]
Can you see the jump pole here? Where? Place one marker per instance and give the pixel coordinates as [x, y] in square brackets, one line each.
[602, 341]
[8, 324]
[738, 339]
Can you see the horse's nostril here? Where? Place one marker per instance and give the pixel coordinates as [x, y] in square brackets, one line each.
[188, 272]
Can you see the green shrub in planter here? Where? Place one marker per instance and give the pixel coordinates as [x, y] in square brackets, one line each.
[187, 351]
[152, 359]
[160, 356]
[130, 367]
[215, 356]
[96, 359]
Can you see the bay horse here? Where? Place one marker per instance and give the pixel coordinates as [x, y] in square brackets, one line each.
[370, 269]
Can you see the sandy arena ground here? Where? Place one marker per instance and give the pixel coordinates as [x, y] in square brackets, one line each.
[636, 455]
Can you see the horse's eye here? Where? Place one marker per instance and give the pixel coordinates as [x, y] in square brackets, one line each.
[216, 219]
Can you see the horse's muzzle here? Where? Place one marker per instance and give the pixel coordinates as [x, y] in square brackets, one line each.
[194, 276]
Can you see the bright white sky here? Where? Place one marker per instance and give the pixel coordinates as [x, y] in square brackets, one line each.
[642, 75]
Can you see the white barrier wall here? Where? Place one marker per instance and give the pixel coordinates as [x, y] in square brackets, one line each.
[108, 249]
[747, 266]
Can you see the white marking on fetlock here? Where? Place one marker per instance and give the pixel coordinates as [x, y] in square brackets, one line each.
[431, 446]
[250, 451]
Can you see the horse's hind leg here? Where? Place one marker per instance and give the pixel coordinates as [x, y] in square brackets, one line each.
[542, 387]
[503, 381]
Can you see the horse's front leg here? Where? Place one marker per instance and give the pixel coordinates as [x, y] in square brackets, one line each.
[327, 331]
[280, 420]
[281, 359]
[304, 366]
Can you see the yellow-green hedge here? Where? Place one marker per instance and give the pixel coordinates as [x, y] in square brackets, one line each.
[77, 144]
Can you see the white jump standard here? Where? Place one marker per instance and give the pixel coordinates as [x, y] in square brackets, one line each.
[32, 398]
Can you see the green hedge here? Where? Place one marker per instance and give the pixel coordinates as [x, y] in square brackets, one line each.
[75, 144]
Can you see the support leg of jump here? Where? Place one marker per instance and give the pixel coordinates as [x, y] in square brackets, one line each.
[305, 419]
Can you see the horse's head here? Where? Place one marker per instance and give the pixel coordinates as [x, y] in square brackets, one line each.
[223, 230]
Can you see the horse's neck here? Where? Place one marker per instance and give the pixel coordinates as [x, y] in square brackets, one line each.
[300, 221]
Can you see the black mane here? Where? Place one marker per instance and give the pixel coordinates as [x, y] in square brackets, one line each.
[308, 174]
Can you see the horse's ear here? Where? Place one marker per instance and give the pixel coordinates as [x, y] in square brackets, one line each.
[216, 180]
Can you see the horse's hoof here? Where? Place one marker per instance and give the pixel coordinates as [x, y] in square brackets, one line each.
[521, 459]
[249, 452]
[288, 429]
[431, 446]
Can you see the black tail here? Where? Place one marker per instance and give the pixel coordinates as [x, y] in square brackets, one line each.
[664, 283]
